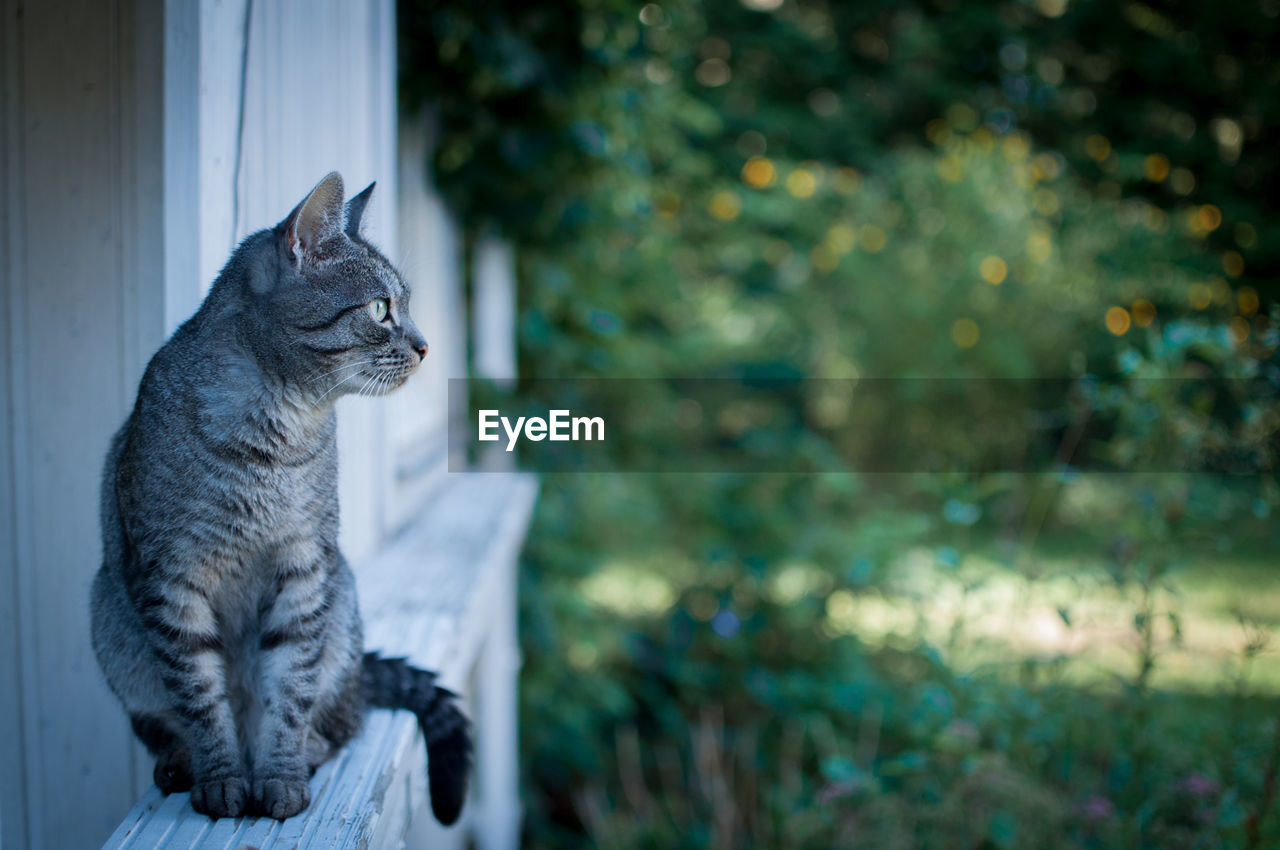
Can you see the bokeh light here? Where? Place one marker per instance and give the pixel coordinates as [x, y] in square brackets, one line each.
[1117, 320]
[846, 180]
[873, 239]
[1039, 246]
[965, 332]
[1156, 167]
[758, 172]
[1239, 328]
[993, 270]
[1247, 301]
[1182, 181]
[1144, 312]
[1210, 217]
[1200, 295]
[802, 183]
[842, 238]
[1097, 147]
[713, 72]
[1233, 263]
[725, 205]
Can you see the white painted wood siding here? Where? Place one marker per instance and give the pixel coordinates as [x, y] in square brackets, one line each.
[430, 258]
[85, 256]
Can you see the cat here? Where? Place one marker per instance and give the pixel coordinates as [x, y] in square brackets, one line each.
[224, 615]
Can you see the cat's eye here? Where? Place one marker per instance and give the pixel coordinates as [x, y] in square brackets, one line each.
[379, 308]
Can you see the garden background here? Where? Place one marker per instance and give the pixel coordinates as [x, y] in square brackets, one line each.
[782, 189]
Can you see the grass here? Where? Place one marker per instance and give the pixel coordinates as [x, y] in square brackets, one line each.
[1209, 612]
[984, 612]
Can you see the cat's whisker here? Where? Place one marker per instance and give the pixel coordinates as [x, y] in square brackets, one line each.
[366, 384]
[335, 386]
[346, 366]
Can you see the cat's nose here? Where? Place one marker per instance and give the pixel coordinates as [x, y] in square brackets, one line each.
[422, 351]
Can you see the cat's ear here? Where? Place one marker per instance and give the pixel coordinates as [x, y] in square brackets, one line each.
[355, 210]
[314, 221]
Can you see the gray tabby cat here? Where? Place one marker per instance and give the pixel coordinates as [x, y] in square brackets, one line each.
[224, 615]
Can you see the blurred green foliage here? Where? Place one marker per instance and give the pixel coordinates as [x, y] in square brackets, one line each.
[965, 190]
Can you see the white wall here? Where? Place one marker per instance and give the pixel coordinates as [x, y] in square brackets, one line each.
[430, 258]
[131, 167]
[84, 259]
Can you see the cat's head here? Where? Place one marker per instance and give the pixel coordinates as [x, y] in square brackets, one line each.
[329, 307]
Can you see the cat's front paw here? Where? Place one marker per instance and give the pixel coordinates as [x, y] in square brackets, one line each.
[221, 798]
[281, 797]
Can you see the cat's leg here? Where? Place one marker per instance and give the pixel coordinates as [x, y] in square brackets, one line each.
[183, 634]
[133, 675]
[340, 708]
[300, 635]
[163, 739]
[339, 716]
[197, 679]
[166, 677]
[317, 752]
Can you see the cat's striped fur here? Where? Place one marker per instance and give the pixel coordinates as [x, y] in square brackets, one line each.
[224, 615]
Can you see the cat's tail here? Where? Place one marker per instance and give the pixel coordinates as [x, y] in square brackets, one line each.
[393, 683]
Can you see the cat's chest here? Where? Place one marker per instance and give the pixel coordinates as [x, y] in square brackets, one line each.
[274, 478]
[273, 506]
[286, 537]
[249, 583]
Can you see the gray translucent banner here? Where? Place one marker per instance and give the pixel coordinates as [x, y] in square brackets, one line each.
[799, 425]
